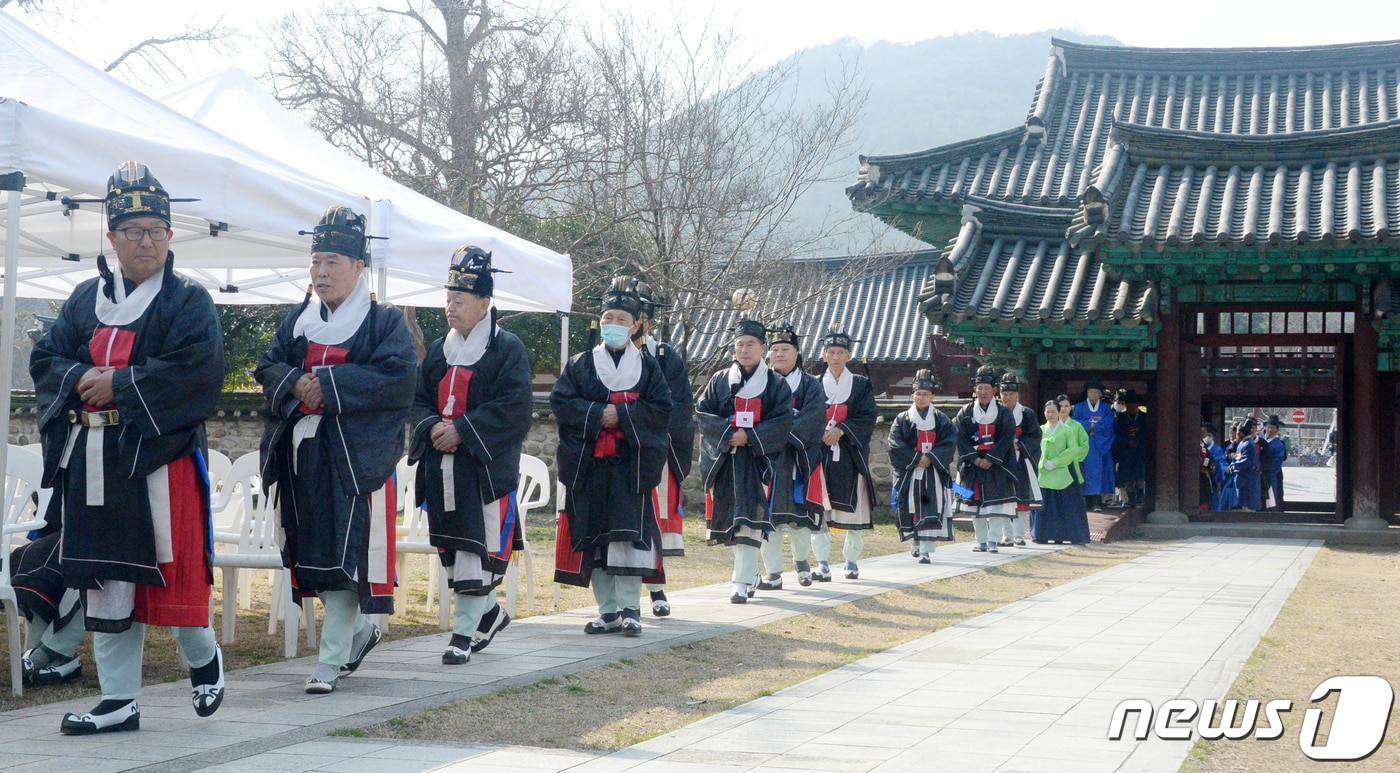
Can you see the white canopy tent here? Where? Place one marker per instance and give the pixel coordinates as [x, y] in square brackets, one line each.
[422, 233]
[65, 126]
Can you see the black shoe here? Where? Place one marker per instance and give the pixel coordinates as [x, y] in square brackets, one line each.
[771, 582]
[660, 605]
[631, 622]
[58, 670]
[741, 594]
[822, 573]
[207, 683]
[359, 657]
[459, 650]
[609, 623]
[114, 719]
[804, 574]
[924, 559]
[852, 571]
[492, 623]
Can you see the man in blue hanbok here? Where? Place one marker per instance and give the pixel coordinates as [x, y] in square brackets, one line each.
[1278, 452]
[1096, 415]
[1246, 467]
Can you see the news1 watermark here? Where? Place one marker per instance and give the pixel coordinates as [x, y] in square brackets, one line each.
[1357, 723]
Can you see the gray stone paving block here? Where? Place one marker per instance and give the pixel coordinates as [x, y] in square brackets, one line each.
[371, 765]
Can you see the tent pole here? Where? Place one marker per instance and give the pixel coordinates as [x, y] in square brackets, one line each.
[563, 340]
[14, 183]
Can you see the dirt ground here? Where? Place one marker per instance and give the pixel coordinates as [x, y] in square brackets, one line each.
[1343, 619]
[621, 704]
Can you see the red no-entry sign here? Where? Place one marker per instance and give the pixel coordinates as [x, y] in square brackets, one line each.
[1299, 416]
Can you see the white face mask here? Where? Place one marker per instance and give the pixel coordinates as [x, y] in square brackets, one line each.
[615, 335]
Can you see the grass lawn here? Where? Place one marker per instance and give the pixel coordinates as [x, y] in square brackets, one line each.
[1343, 619]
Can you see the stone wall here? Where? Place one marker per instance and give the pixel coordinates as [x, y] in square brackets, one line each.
[236, 427]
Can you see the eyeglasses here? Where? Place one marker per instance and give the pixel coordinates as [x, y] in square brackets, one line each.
[137, 234]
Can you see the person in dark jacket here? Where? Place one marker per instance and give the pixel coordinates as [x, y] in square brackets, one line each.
[470, 416]
[986, 432]
[339, 382]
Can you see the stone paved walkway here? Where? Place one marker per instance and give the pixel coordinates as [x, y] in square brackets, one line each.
[268, 723]
[1029, 687]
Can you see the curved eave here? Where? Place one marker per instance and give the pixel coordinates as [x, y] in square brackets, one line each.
[1156, 145]
[1084, 57]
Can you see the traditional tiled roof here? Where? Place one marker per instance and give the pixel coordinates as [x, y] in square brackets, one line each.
[1014, 266]
[881, 309]
[1087, 90]
[1326, 188]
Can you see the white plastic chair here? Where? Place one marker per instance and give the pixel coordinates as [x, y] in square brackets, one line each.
[23, 471]
[412, 536]
[219, 466]
[253, 542]
[532, 492]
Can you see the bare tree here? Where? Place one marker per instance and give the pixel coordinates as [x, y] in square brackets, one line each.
[154, 51]
[463, 100]
[701, 161]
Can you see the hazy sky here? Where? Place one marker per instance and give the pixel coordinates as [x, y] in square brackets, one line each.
[101, 29]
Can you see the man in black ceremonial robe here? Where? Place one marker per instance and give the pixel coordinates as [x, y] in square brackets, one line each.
[986, 431]
[613, 408]
[339, 382]
[745, 416]
[470, 418]
[798, 503]
[669, 495]
[125, 378]
[921, 446]
[850, 423]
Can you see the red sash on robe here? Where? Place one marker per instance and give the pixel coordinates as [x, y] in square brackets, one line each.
[835, 414]
[606, 444]
[318, 355]
[986, 437]
[752, 405]
[927, 440]
[184, 600]
[453, 391]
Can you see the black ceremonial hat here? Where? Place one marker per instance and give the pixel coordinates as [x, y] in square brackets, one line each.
[1208, 427]
[838, 337]
[341, 231]
[1094, 383]
[1009, 382]
[132, 191]
[751, 327]
[471, 271]
[785, 333]
[651, 300]
[623, 296]
[986, 375]
[924, 380]
[1274, 420]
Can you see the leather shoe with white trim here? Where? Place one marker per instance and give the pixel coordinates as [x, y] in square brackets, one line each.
[363, 648]
[124, 717]
[492, 623]
[207, 685]
[459, 651]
